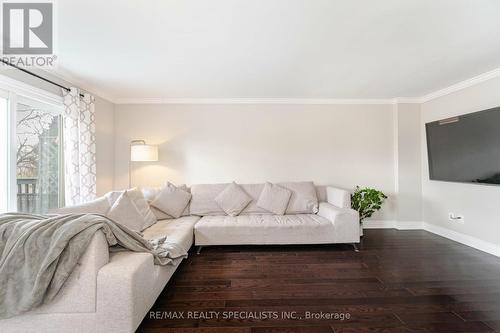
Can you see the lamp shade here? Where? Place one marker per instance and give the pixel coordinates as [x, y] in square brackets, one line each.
[143, 153]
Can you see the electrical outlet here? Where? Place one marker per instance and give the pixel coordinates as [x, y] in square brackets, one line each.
[456, 218]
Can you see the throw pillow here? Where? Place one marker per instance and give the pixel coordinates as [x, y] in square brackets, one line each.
[274, 198]
[304, 199]
[150, 193]
[172, 200]
[139, 201]
[159, 214]
[233, 199]
[203, 200]
[142, 206]
[125, 212]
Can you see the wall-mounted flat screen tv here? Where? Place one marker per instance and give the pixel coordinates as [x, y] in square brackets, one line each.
[465, 148]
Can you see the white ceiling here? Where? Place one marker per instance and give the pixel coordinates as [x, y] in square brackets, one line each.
[329, 49]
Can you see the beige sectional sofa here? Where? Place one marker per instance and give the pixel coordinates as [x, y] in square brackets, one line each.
[107, 292]
[112, 292]
[321, 215]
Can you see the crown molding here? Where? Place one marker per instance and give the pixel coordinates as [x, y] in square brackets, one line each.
[290, 101]
[318, 101]
[406, 100]
[287, 101]
[461, 85]
[299, 101]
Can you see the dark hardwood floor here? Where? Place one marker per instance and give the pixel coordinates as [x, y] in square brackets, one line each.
[401, 281]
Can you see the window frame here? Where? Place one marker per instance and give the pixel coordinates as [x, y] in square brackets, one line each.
[5, 139]
[17, 91]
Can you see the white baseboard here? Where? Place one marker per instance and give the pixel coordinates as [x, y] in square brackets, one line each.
[379, 224]
[444, 232]
[464, 239]
[387, 224]
[409, 225]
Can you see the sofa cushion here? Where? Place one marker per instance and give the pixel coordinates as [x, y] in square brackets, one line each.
[178, 231]
[172, 200]
[125, 212]
[98, 206]
[274, 198]
[233, 199]
[203, 199]
[254, 191]
[264, 229]
[159, 214]
[303, 200]
[140, 203]
[142, 206]
[150, 194]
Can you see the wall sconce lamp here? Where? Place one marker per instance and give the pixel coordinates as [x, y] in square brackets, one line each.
[141, 152]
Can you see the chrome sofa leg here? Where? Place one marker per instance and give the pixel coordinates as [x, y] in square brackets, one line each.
[355, 246]
[199, 249]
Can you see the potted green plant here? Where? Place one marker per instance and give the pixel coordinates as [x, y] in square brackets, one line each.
[366, 201]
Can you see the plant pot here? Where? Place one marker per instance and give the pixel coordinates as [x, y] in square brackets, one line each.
[361, 229]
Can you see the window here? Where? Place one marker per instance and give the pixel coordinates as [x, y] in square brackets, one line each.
[38, 157]
[4, 153]
[31, 172]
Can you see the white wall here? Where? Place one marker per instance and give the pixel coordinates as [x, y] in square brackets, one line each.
[344, 145]
[104, 124]
[408, 160]
[478, 203]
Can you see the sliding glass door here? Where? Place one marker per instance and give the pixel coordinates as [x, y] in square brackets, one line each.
[31, 172]
[38, 156]
[4, 152]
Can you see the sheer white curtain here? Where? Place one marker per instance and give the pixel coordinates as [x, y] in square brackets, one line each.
[79, 147]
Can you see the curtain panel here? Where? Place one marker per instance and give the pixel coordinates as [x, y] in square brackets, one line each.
[79, 147]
